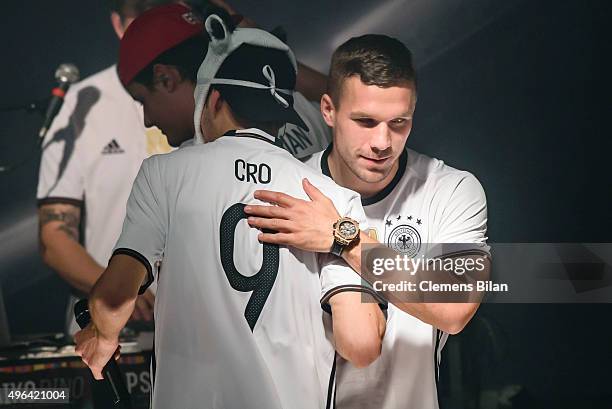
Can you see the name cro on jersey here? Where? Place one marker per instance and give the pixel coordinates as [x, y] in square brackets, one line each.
[258, 173]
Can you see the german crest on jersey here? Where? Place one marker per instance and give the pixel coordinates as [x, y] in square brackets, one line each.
[403, 238]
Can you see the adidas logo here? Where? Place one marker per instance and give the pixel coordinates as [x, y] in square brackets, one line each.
[112, 147]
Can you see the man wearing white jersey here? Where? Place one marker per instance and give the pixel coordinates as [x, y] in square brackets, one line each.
[409, 199]
[238, 324]
[90, 158]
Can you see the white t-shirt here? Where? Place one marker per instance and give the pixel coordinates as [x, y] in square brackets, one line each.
[426, 202]
[299, 142]
[238, 323]
[91, 156]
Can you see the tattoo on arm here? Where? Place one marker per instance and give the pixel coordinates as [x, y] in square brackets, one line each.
[69, 221]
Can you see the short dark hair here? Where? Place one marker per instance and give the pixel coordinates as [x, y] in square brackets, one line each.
[134, 8]
[186, 56]
[377, 60]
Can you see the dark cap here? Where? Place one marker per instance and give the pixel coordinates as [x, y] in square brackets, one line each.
[266, 66]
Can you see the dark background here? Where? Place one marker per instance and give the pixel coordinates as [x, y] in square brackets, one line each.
[513, 91]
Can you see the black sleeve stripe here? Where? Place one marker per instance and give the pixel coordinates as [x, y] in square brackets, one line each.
[60, 200]
[356, 288]
[144, 261]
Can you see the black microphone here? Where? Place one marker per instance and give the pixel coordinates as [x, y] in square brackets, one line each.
[66, 75]
[112, 374]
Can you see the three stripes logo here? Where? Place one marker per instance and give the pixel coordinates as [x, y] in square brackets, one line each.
[111, 148]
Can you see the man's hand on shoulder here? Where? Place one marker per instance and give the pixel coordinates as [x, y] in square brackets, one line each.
[307, 225]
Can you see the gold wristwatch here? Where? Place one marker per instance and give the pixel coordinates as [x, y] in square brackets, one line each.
[346, 232]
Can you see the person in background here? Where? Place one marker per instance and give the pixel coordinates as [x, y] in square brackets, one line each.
[90, 158]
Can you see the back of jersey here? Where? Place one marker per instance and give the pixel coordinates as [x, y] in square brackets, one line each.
[238, 321]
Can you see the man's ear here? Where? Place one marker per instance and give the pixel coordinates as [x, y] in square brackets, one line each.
[328, 110]
[117, 24]
[166, 77]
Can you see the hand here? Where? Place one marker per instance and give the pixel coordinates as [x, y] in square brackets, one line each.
[95, 350]
[298, 223]
[143, 310]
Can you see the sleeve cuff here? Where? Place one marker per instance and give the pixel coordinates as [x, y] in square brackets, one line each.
[60, 200]
[382, 303]
[144, 261]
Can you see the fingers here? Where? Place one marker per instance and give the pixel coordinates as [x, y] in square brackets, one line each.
[277, 225]
[144, 308]
[97, 373]
[273, 212]
[136, 314]
[313, 193]
[149, 297]
[117, 353]
[316, 195]
[278, 198]
[222, 4]
[276, 238]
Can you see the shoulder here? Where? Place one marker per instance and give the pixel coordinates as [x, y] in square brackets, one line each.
[438, 175]
[313, 161]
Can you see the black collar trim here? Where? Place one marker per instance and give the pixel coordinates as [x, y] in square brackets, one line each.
[253, 133]
[403, 161]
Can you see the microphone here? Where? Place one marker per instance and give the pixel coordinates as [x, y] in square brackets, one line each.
[112, 374]
[66, 75]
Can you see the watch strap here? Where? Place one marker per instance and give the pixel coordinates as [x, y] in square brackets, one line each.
[337, 249]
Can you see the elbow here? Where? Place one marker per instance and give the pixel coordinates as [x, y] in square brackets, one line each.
[362, 352]
[454, 328]
[457, 322]
[111, 302]
[108, 306]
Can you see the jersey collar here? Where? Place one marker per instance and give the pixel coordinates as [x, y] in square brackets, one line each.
[403, 160]
[253, 133]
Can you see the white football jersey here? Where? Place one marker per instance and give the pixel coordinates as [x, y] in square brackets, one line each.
[238, 324]
[91, 156]
[426, 202]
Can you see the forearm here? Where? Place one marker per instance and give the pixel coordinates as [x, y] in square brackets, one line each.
[60, 248]
[358, 328]
[71, 261]
[450, 317]
[113, 297]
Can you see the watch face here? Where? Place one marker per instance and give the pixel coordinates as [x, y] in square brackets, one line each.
[347, 229]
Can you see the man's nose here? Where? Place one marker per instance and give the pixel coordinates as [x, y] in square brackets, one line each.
[381, 139]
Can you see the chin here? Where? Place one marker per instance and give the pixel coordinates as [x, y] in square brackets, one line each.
[370, 176]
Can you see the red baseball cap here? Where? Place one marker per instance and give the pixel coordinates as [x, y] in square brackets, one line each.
[151, 34]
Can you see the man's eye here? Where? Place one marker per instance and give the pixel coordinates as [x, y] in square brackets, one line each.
[367, 122]
[399, 121]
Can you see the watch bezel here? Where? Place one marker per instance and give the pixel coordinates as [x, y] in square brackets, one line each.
[341, 238]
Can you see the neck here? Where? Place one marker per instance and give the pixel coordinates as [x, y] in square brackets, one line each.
[342, 175]
[226, 122]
